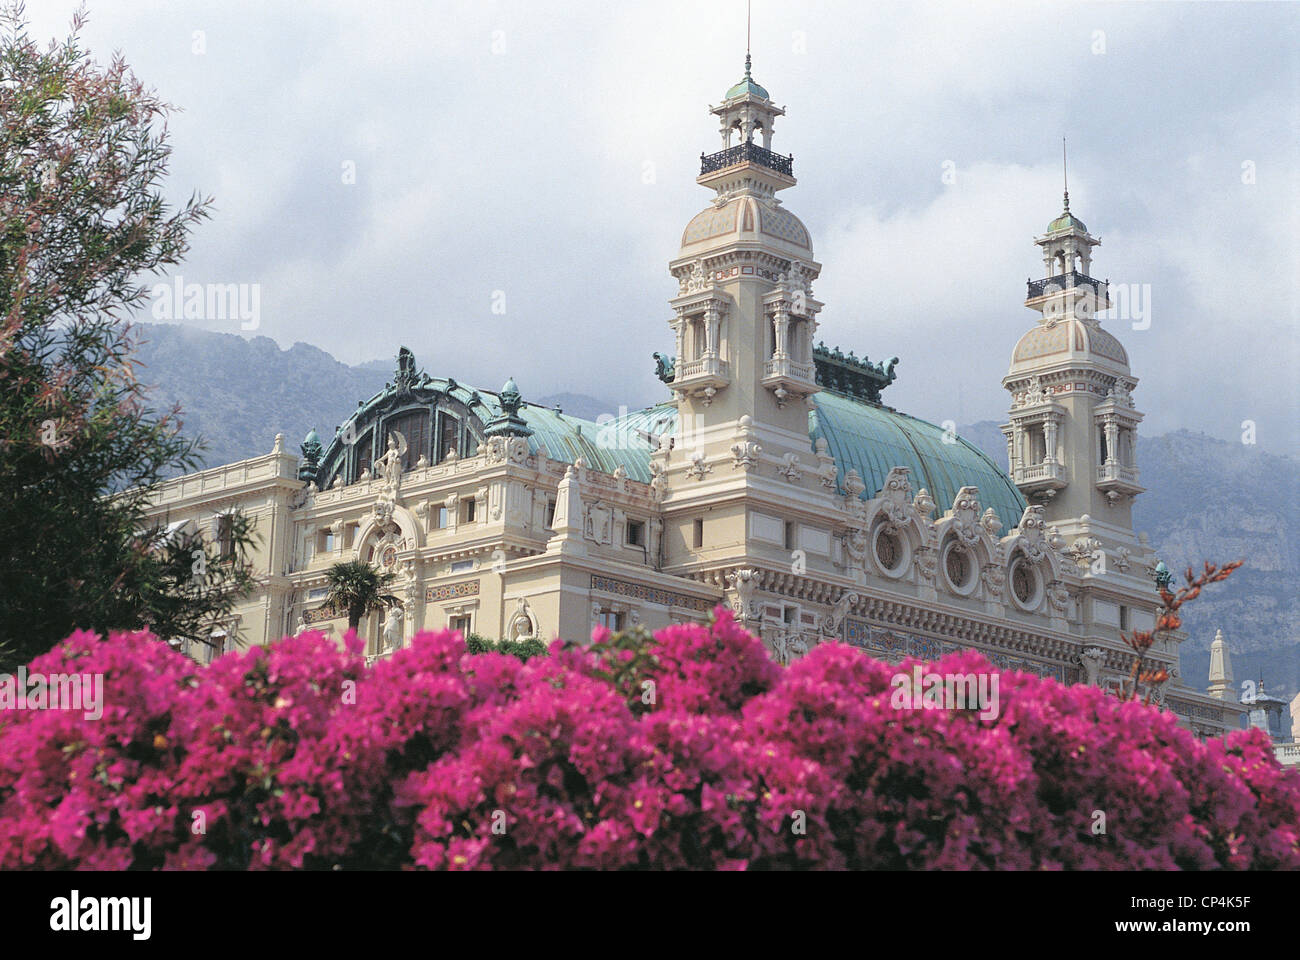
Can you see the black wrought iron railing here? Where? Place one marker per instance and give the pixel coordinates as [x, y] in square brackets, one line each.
[1065, 281]
[751, 152]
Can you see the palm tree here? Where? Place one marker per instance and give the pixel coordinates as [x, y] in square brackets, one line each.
[358, 588]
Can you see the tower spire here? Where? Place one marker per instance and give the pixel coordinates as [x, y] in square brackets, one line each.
[1065, 174]
[749, 16]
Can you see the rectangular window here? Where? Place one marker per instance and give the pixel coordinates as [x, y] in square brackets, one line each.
[467, 510]
[463, 624]
[699, 532]
[790, 615]
[442, 518]
[635, 533]
[612, 620]
[1123, 618]
[448, 431]
[325, 542]
[364, 452]
[414, 427]
[550, 514]
[226, 536]
[789, 535]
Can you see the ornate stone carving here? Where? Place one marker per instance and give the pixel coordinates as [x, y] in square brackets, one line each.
[788, 646]
[1091, 659]
[522, 624]
[833, 622]
[894, 497]
[1058, 597]
[923, 504]
[392, 636]
[1085, 550]
[598, 523]
[743, 582]
[700, 466]
[995, 579]
[966, 515]
[745, 451]
[744, 454]
[1031, 529]
[826, 462]
[991, 523]
[1055, 540]
[853, 485]
[855, 545]
[926, 560]
[789, 468]
[658, 481]
[696, 280]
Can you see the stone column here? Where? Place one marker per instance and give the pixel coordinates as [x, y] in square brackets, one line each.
[712, 315]
[1112, 441]
[781, 321]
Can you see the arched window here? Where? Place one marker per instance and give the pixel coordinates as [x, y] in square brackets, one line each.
[448, 435]
[364, 452]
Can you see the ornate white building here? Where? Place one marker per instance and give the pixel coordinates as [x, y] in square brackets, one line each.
[774, 480]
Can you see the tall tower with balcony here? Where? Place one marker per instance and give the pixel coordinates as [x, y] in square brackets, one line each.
[745, 314]
[1072, 434]
[743, 320]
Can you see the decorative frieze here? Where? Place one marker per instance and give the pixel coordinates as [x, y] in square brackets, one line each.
[452, 591]
[639, 591]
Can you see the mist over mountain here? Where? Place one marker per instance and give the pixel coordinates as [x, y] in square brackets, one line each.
[1208, 499]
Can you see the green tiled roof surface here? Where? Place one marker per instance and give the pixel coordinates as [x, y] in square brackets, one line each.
[873, 440]
[868, 438]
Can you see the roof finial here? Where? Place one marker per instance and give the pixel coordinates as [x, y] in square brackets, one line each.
[1065, 174]
[749, 14]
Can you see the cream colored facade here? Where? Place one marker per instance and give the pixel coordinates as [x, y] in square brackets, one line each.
[774, 481]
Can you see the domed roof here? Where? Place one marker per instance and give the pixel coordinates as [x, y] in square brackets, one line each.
[1066, 221]
[873, 440]
[745, 218]
[605, 446]
[1069, 339]
[745, 86]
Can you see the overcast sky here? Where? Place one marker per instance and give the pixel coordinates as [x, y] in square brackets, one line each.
[548, 151]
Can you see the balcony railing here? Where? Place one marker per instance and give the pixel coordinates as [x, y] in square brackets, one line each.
[1039, 471]
[1287, 754]
[1066, 281]
[703, 367]
[1117, 471]
[785, 367]
[747, 152]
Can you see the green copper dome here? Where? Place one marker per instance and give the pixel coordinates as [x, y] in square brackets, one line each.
[1066, 221]
[747, 86]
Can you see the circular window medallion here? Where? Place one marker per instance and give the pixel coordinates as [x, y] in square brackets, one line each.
[891, 552]
[959, 567]
[1026, 587]
[388, 557]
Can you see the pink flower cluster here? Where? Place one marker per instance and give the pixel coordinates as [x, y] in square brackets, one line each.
[691, 751]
